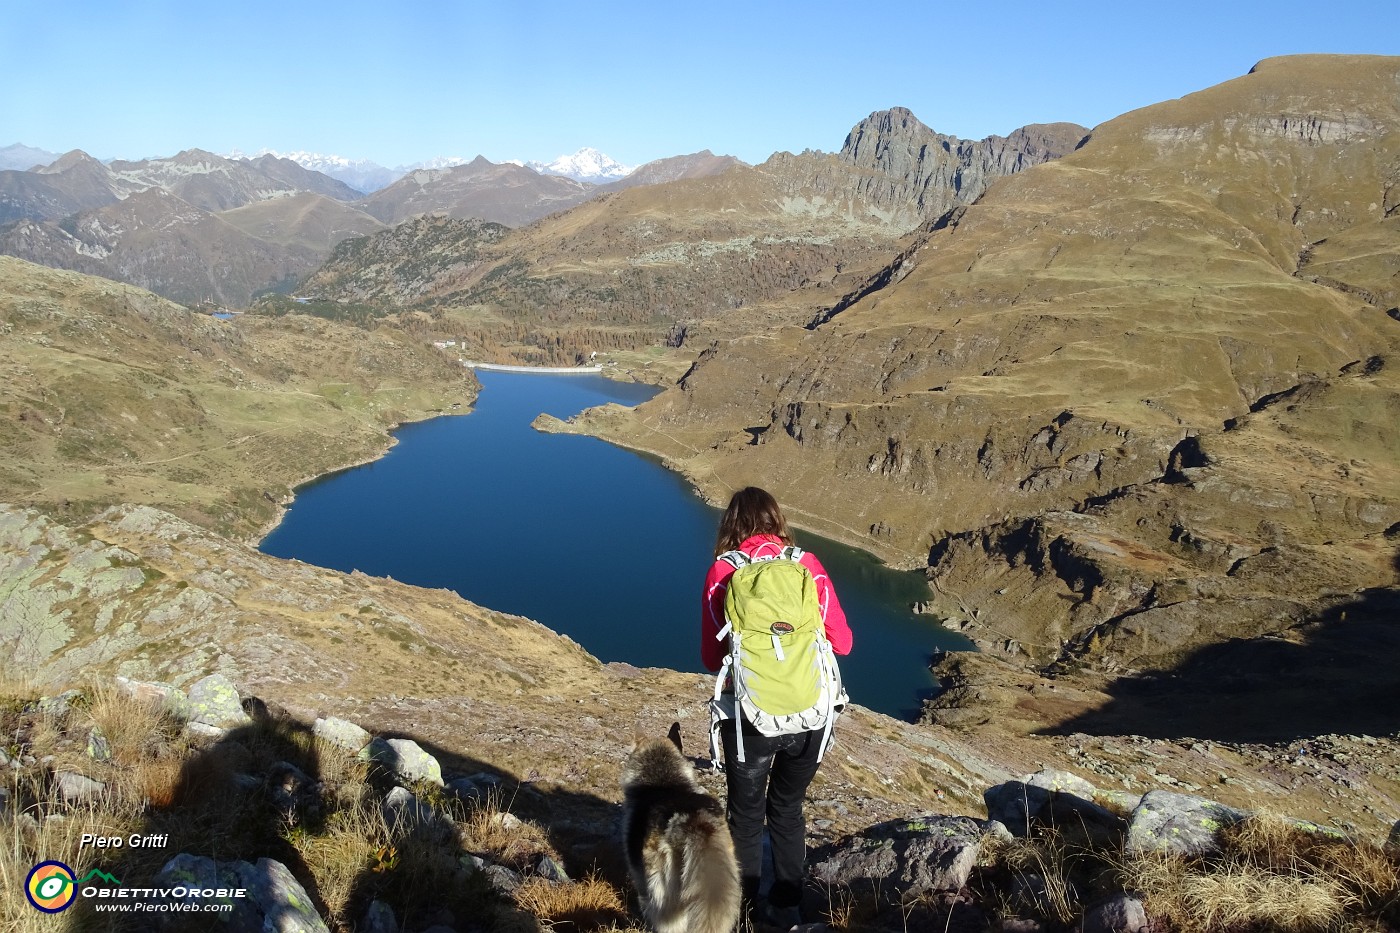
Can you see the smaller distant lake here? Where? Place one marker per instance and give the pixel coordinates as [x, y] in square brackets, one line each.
[598, 543]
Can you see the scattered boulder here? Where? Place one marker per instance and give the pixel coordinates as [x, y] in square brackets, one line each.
[476, 787]
[214, 701]
[503, 881]
[205, 730]
[404, 813]
[1053, 798]
[77, 788]
[1392, 845]
[341, 732]
[60, 705]
[404, 758]
[1119, 913]
[1180, 824]
[164, 696]
[275, 899]
[919, 855]
[550, 870]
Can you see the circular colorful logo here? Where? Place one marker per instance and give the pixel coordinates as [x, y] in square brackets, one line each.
[50, 887]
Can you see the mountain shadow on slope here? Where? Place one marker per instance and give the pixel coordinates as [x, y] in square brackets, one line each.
[1337, 673]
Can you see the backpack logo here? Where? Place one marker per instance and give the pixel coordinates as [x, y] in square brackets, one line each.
[781, 628]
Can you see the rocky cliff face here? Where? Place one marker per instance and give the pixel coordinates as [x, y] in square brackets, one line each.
[922, 174]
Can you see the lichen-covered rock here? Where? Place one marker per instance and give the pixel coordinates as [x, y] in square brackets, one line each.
[1054, 798]
[161, 695]
[551, 870]
[405, 758]
[1178, 823]
[341, 732]
[275, 900]
[59, 705]
[98, 748]
[214, 701]
[913, 856]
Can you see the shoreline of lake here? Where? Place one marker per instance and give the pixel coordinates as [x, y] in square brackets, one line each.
[483, 507]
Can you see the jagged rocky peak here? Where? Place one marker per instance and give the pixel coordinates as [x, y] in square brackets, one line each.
[890, 140]
[918, 173]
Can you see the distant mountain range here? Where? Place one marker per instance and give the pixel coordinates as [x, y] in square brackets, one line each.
[22, 157]
[587, 165]
[198, 226]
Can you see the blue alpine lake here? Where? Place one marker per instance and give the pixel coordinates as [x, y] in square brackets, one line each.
[596, 542]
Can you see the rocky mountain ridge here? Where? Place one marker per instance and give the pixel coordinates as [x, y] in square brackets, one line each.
[657, 261]
[72, 213]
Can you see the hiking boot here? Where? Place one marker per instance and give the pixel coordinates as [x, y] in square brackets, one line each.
[784, 918]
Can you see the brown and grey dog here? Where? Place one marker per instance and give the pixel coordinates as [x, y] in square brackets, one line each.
[677, 843]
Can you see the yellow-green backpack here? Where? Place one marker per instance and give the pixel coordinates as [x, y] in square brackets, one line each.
[781, 673]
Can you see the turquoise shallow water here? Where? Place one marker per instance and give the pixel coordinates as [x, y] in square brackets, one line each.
[598, 543]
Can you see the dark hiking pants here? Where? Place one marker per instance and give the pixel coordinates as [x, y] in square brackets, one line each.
[769, 785]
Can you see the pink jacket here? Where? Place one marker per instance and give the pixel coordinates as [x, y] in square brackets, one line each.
[712, 650]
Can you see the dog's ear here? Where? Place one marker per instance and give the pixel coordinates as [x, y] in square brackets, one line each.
[675, 736]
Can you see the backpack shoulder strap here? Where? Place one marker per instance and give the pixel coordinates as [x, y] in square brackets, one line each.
[735, 559]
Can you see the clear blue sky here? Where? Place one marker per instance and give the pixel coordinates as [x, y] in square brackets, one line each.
[401, 82]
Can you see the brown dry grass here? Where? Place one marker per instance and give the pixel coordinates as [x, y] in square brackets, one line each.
[218, 799]
[1272, 874]
[588, 904]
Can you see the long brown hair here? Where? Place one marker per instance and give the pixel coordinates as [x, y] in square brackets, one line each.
[752, 511]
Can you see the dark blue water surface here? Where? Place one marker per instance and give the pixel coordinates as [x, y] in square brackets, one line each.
[601, 544]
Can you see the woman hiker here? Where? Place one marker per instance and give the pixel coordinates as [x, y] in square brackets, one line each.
[767, 775]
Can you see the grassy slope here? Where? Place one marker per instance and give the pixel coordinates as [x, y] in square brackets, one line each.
[110, 394]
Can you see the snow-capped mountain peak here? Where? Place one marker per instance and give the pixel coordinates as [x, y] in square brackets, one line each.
[360, 174]
[585, 165]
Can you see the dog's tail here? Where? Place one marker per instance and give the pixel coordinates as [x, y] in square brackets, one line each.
[710, 876]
